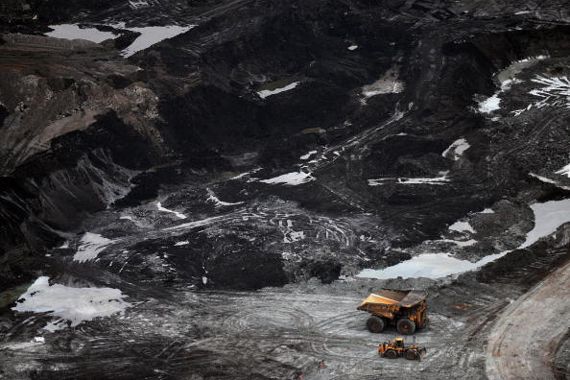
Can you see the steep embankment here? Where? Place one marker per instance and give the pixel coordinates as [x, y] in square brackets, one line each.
[524, 340]
[339, 110]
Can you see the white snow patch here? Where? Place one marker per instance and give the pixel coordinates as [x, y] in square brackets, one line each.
[430, 265]
[490, 104]
[556, 91]
[461, 227]
[466, 243]
[151, 35]
[71, 304]
[352, 47]
[487, 211]
[457, 148]
[242, 175]
[291, 179]
[388, 84]
[266, 93]
[90, 246]
[39, 339]
[564, 171]
[308, 155]
[441, 180]
[179, 215]
[65, 245]
[74, 32]
[180, 243]
[548, 180]
[543, 179]
[197, 223]
[506, 78]
[548, 217]
[213, 198]
[204, 280]
[422, 181]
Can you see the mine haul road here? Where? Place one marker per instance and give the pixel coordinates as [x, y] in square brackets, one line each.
[523, 342]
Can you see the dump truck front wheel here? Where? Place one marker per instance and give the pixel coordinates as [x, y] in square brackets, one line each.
[406, 327]
[375, 324]
[391, 354]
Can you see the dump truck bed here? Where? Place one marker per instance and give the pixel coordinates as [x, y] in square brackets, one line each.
[402, 298]
[406, 309]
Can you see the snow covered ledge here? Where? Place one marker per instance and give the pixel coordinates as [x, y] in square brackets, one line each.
[71, 306]
[290, 179]
[548, 216]
[267, 93]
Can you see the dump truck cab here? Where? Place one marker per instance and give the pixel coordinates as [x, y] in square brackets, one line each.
[405, 309]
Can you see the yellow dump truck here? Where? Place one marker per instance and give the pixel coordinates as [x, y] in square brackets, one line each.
[406, 309]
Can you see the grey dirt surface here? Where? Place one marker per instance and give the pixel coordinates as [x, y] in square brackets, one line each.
[305, 330]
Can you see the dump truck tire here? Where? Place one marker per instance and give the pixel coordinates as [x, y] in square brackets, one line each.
[375, 324]
[391, 354]
[412, 355]
[406, 327]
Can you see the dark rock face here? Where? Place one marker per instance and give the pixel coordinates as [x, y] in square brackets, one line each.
[382, 91]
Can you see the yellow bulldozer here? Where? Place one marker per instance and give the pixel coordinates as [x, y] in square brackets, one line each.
[396, 348]
[406, 309]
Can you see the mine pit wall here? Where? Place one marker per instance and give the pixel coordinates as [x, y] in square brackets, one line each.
[460, 65]
[84, 172]
[18, 14]
[97, 174]
[438, 93]
[532, 263]
[72, 138]
[307, 50]
[520, 271]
